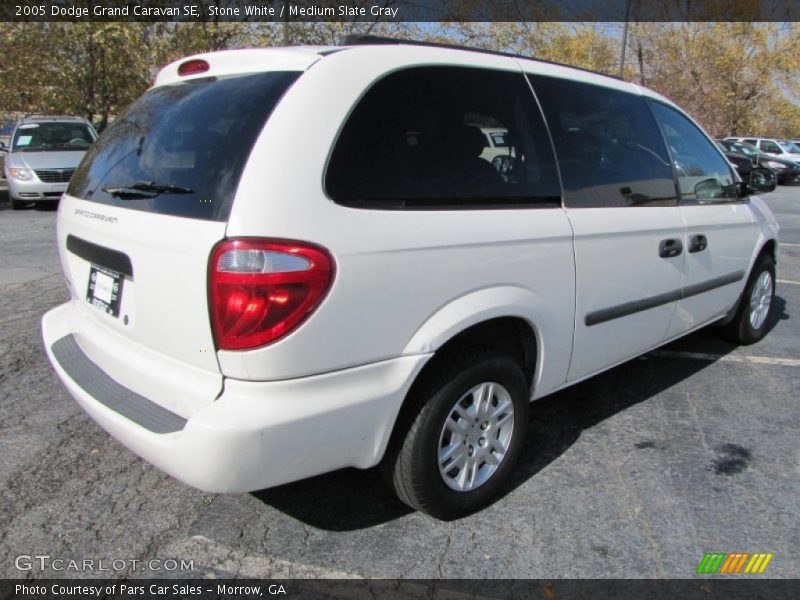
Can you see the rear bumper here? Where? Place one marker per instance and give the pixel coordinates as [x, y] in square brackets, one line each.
[256, 434]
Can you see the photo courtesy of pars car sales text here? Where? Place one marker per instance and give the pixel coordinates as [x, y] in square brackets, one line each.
[179, 590]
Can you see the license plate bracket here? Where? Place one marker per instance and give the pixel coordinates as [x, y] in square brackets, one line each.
[105, 289]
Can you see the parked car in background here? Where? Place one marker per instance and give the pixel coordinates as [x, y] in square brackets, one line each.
[6, 127]
[268, 281]
[771, 146]
[43, 155]
[3, 152]
[785, 170]
[498, 150]
[742, 163]
[790, 145]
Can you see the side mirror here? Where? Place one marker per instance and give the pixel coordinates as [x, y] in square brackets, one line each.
[3, 147]
[708, 189]
[762, 180]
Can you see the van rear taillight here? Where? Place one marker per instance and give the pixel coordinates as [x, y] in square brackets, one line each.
[260, 290]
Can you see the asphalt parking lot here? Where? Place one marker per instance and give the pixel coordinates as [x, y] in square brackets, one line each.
[637, 472]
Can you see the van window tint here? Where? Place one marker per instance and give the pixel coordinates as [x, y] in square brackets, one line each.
[703, 174]
[609, 148]
[194, 136]
[444, 137]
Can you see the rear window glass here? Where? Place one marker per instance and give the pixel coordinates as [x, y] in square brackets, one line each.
[180, 149]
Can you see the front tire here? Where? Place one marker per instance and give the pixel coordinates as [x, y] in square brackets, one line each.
[750, 322]
[455, 449]
[17, 204]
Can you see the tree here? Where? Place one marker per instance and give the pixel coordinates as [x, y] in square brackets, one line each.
[88, 69]
[734, 78]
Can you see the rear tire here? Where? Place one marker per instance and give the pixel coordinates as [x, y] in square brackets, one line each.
[454, 450]
[749, 323]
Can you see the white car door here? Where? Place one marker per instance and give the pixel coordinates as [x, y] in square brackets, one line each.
[620, 196]
[721, 230]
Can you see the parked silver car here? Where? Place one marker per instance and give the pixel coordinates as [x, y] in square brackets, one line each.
[43, 155]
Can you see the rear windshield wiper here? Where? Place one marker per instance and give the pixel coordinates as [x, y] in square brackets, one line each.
[145, 190]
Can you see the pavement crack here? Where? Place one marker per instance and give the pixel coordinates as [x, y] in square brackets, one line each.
[440, 562]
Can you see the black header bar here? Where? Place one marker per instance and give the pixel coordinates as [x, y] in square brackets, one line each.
[396, 11]
[697, 588]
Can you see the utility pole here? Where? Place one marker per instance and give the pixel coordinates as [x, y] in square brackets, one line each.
[624, 38]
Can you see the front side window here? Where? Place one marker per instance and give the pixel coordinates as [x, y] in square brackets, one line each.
[608, 145]
[52, 136]
[703, 174]
[420, 139]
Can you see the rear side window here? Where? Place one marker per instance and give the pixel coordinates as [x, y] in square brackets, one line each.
[609, 148]
[771, 147]
[703, 174]
[180, 149]
[444, 137]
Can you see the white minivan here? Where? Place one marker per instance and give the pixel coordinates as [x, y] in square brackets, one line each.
[287, 261]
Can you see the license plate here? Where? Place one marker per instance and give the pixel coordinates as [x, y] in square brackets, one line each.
[105, 289]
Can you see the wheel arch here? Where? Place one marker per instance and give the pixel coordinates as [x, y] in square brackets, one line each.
[509, 318]
[766, 245]
[499, 318]
[771, 247]
[504, 318]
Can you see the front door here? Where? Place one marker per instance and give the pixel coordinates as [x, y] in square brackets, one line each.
[721, 230]
[620, 197]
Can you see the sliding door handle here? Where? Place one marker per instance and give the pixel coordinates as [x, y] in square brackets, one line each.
[669, 248]
[698, 243]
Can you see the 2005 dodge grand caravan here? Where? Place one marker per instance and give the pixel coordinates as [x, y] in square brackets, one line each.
[283, 262]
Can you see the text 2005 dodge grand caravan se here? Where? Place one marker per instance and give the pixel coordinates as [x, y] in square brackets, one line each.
[283, 262]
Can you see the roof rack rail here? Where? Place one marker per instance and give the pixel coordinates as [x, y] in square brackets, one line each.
[358, 39]
[39, 116]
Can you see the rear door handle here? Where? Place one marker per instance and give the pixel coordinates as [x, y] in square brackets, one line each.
[669, 248]
[698, 243]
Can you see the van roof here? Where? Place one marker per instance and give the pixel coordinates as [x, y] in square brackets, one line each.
[300, 58]
[373, 40]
